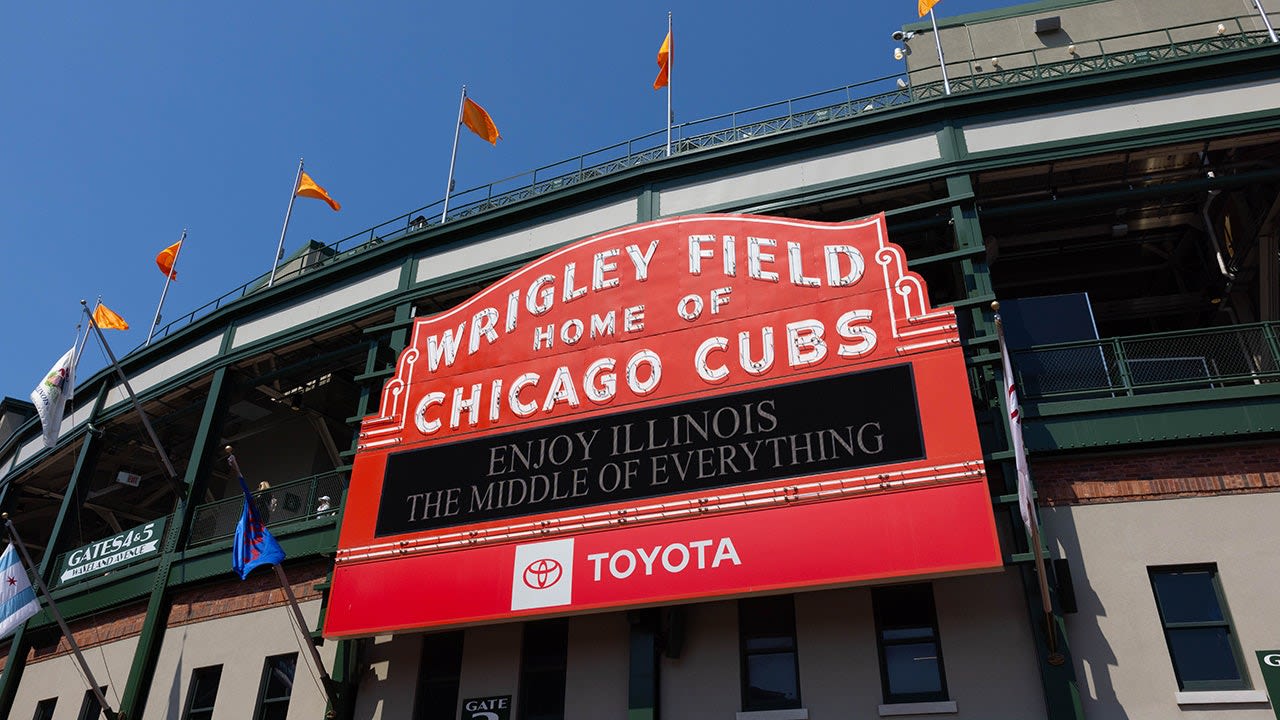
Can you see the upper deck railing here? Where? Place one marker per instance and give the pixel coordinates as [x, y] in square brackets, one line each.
[871, 96]
[1142, 364]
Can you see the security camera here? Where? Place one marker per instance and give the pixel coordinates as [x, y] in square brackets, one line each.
[899, 36]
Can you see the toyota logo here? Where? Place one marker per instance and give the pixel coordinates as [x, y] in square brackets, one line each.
[542, 574]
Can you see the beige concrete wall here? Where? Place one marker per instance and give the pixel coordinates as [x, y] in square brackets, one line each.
[987, 652]
[970, 47]
[1122, 661]
[491, 662]
[598, 667]
[703, 681]
[60, 677]
[241, 644]
[387, 689]
[987, 648]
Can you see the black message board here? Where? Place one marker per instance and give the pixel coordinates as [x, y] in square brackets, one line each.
[799, 429]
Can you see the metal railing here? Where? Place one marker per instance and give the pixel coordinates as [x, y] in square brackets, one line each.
[753, 123]
[1141, 364]
[295, 500]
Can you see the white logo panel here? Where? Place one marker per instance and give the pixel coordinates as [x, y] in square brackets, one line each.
[543, 575]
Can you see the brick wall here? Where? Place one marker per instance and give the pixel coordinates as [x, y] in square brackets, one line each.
[97, 629]
[227, 596]
[1166, 473]
[260, 591]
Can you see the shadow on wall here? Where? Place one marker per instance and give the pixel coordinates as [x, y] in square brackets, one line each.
[1095, 660]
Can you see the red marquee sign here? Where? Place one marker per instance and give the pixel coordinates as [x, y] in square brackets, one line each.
[690, 408]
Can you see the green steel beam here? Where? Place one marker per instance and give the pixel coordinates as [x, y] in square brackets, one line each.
[147, 651]
[1229, 412]
[72, 501]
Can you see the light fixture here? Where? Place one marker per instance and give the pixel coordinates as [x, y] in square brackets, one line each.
[995, 62]
[1071, 49]
[1222, 29]
[902, 84]
[899, 36]
[897, 53]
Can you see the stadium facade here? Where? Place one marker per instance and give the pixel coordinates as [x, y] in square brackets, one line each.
[516, 459]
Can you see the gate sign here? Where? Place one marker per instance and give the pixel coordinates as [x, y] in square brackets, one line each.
[116, 550]
[690, 408]
[487, 708]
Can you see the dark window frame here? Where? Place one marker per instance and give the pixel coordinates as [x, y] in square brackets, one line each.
[1243, 683]
[198, 676]
[878, 598]
[439, 674]
[538, 666]
[745, 634]
[45, 709]
[90, 708]
[261, 705]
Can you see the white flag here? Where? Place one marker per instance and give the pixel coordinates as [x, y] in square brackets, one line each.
[1015, 435]
[51, 395]
[17, 598]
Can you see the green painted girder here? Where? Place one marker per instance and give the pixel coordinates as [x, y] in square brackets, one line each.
[1161, 417]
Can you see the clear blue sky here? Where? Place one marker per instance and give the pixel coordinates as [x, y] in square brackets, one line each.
[123, 123]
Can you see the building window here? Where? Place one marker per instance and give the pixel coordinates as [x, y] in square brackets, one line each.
[543, 659]
[767, 644]
[44, 709]
[441, 671]
[202, 693]
[277, 686]
[907, 640]
[1197, 628]
[90, 708]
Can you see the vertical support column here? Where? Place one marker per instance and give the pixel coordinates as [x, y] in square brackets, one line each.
[345, 670]
[203, 451]
[642, 676]
[77, 492]
[1057, 672]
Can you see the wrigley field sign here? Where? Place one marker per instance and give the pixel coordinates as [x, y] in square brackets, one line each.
[105, 554]
[690, 408]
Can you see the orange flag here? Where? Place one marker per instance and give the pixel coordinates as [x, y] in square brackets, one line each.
[308, 188]
[479, 122]
[105, 319]
[166, 258]
[926, 6]
[664, 62]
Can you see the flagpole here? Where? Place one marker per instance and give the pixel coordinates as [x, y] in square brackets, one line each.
[167, 278]
[1271, 32]
[325, 680]
[671, 61]
[1025, 506]
[280, 247]
[146, 421]
[448, 186]
[942, 63]
[57, 616]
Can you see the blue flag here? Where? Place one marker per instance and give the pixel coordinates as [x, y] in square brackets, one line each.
[253, 545]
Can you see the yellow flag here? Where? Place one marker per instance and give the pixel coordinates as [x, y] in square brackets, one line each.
[105, 319]
[308, 188]
[166, 259]
[479, 122]
[664, 62]
[926, 6]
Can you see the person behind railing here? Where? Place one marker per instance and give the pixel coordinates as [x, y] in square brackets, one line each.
[266, 502]
[324, 508]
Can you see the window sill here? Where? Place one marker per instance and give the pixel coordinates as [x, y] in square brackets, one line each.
[1220, 697]
[920, 708]
[788, 714]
